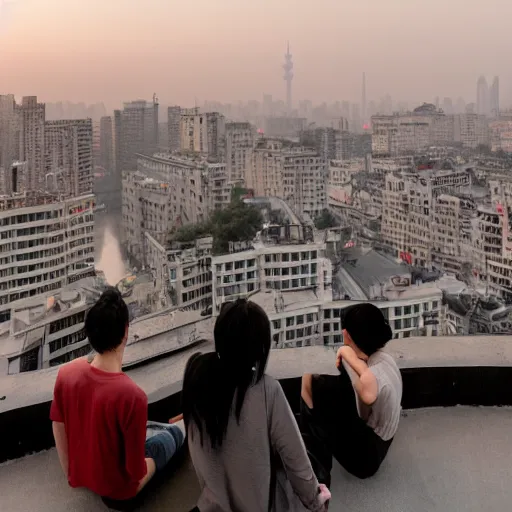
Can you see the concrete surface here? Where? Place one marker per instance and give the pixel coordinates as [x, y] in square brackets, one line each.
[442, 460]
[162, 378]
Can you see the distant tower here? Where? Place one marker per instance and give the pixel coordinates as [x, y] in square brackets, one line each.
[288, 77]
[495, 97]
[363, 100]
[482, 96]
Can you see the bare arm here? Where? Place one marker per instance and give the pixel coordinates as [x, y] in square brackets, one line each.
[365, 384]
[61, 443]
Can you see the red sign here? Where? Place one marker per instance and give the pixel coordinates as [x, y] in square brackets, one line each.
[406, 257]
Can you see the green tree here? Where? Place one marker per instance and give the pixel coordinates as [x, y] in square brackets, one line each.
[325, 220]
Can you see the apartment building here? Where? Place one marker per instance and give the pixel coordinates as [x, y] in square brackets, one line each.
[183, 273]
[69, 157]
[283, 268]
[193, 131]
[164, 193]
[408, 218]
[173, 127]
[293, 173]
[238, 153]
[452, 232]
[31, 119]
[9, 141]
[46, 332]
[45, 244]
[472, 130]
[107, 144]
[399, 133]
[135, 131]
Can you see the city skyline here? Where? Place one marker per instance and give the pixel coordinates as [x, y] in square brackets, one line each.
[87, 52]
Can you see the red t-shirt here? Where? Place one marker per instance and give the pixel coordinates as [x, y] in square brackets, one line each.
[105, 417]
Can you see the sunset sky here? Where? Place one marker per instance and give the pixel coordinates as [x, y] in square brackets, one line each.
[230, 50]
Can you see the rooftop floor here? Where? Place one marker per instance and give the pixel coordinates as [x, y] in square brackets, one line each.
[442, 459]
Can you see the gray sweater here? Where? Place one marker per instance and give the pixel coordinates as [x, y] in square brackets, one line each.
[236, 477]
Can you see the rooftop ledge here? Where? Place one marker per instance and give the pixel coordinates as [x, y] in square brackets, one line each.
[160, 374]
[442, 459]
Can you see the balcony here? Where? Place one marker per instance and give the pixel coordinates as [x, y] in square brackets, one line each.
[447, 455]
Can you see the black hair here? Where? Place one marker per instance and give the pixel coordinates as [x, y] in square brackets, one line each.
[106, 321]
[215, 384]
[367, 327]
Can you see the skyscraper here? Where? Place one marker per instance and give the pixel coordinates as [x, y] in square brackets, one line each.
[495, 97]
[173, 127]
[363, 99]
[31, 116]
[482, 96]
[137, 132]
[288, 77]
[68, 157]
[107, 143]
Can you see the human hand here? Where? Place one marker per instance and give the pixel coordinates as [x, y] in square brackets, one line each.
[324, 494]
[344, 352]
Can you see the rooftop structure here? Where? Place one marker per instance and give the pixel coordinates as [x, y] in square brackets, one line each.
[429, 450]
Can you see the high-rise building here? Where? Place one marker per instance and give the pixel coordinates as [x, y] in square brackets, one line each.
[68, 157]
[472, 130]
[399, 133]
[136, 130]
[239, 147]
[31, 118]
[193, 131]
[107, 143]
[288, 77]
[495, 98]
[482, 97]
[448, 106]
[291, 172]
[173, 126]
[215, 133]
[363, 100]
[46, 244]
[9, 140]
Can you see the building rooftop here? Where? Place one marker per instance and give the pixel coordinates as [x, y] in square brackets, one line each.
[370, 268]
[442, 459]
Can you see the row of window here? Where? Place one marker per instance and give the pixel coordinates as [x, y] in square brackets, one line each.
[70, 339]
[66, 322]
[69, 356]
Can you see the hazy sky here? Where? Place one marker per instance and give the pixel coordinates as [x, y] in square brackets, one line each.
[115, 50]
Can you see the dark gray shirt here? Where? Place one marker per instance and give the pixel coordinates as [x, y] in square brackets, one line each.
[237, 476]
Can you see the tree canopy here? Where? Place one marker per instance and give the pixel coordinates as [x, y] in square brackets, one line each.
[238, 222]
[325, 220]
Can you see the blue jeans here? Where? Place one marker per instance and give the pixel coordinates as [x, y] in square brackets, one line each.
[162, 442]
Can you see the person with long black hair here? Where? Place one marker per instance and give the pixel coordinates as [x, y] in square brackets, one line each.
[243, 438]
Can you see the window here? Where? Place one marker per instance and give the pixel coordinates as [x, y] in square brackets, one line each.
[416, 308]
[407, 310]
[327, 313]
[398, 311]
[290, 321]
[398, 324]
[276, 324]
[309, 317]
[229, 266]
[295, 256]
[300, 319]
[285, 257]
[435, 304]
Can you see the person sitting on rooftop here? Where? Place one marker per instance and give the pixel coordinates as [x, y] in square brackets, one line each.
[99, 414]
[243, 438]
[354, 415]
